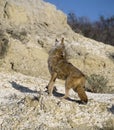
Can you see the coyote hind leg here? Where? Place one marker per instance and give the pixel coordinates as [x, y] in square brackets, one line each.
[66, 93]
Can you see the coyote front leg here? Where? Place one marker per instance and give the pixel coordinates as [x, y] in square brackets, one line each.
[51, 83]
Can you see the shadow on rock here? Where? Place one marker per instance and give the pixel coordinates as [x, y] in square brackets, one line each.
[21, 88]
[112, 109]
[60, 95]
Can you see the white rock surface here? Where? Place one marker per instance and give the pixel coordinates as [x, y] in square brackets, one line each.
[25, 105]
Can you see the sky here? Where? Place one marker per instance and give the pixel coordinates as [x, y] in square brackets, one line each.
[92, 9]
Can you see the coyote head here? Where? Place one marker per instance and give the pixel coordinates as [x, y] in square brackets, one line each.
[58, 49]
[59, 43]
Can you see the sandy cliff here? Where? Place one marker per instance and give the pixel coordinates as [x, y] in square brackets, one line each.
[31, 28]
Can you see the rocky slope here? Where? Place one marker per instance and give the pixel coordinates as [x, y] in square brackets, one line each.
[24, 104]
[28, 30]
[30, 27]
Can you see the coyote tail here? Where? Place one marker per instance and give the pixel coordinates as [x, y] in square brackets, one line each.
[81, 93]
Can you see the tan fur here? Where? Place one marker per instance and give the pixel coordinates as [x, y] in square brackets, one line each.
[60, 68]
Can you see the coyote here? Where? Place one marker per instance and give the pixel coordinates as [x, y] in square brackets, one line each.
[60, 68]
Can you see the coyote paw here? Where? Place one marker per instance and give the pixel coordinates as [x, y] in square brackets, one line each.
[64, 97]
[82, 102]
[54, 89]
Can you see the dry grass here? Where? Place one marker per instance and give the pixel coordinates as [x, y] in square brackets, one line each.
[98, 83]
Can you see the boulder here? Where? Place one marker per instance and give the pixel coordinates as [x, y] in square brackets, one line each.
[16, 14]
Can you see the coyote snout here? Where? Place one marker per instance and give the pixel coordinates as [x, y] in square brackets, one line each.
[60, 68]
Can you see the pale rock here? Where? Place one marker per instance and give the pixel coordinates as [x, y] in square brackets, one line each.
[16, 14]
[30, 28]
[21, 58]
[24, 104]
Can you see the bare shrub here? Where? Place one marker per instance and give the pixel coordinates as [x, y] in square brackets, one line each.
[98, 83]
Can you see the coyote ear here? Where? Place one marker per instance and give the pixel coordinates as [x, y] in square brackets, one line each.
[62, 40]
[56, 40]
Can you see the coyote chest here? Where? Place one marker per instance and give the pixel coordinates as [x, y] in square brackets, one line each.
[62, 67]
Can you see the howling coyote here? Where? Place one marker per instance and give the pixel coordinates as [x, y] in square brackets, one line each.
[60, 68]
